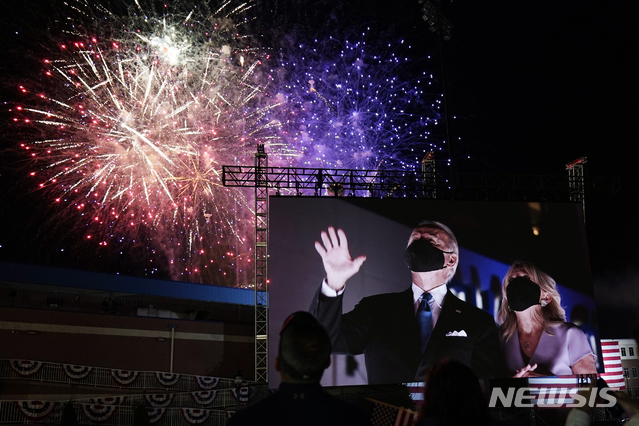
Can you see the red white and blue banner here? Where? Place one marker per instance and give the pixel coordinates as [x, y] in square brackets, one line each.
[207, 383]
[98, 413]
[112, 400]
[36, 409]
[76, 372]
[194, 415]
[159, 400]
[28, 369]
[167, 379]
[24, 367]
[155, 414]
[242, 395]
[204, 398]
[124, 377]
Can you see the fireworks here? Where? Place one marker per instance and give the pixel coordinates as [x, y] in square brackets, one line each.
[140, 109]
[139, 118]
[359, 104]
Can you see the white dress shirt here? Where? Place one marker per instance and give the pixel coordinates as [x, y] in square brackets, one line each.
[436, 303]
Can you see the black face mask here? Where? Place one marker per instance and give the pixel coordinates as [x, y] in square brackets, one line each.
[522, 293]
[421, 256]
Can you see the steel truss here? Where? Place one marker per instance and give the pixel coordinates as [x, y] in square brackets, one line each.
[427, 183]
[576, 181]
[261, 265]
[349, 182]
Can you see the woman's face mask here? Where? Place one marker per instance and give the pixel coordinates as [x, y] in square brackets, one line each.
[522, 293]
[421, 256]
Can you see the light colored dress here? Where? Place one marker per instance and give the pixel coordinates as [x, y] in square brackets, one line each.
[554, 356]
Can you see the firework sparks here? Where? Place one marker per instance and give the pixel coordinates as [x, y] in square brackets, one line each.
[139, 118]
[141, 112]
[359, 104]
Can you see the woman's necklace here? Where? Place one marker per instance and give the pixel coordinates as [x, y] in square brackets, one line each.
[534, 335]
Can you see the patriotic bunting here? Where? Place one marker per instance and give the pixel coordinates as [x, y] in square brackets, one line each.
[155, 414]
[101, 409]
[25, 368]
[163, 400]
[207, 383]
[124, 377]
[76, 372]
[114, 400]
[98, 413]
[204, 398]
[195, 416]
[36, 409]
[243, 395]
[167, 379]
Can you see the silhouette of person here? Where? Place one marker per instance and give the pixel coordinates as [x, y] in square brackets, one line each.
[304, 354]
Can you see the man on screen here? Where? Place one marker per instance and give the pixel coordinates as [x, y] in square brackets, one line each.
[402, 334]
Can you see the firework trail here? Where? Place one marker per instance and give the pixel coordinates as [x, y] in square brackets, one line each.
[140, 111]
[358, 102]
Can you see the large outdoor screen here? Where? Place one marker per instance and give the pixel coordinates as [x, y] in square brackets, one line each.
[491, 236]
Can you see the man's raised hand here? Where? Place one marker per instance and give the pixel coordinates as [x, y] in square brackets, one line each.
[337, 260]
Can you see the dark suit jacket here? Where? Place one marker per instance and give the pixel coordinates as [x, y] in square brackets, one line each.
[384, 328]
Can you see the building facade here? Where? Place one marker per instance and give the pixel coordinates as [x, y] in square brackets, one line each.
[630, 365]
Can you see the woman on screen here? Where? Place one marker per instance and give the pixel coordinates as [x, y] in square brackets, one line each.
[535, 337]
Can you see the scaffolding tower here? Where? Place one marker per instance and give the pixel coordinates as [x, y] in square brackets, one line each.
[576, 182]
[261, 265]
[429, 174]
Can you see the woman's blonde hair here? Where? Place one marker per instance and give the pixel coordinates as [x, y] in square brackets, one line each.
[551, 315]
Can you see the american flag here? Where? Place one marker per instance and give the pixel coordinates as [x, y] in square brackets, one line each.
[416, 390]
[613, 376]
[390, 415]
[554, 391]
[612, 365]
[542, 386]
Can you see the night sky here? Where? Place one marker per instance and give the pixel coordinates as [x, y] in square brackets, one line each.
[540, 84]
[532, 86]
